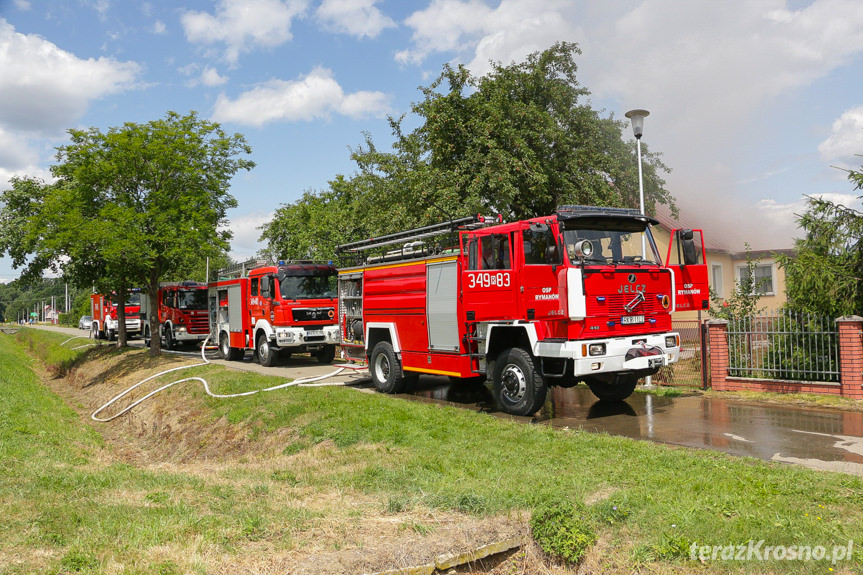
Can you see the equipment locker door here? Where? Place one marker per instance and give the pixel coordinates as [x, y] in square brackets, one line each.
[441, 306]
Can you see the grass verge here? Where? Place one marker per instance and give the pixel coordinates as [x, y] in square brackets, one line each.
[304, 471]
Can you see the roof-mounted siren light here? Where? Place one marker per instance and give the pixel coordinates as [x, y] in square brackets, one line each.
[281, 262]
[494, 219]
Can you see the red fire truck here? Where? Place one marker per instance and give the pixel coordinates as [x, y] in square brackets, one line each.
[103, 308]
[580, 295]
[181, 309]
[275, 310]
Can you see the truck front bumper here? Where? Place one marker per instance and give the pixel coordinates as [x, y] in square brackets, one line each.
[287, 337]
[624, 354]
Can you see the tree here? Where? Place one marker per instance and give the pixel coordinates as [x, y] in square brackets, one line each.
[518, 141]
[825, 276]
[130, 206]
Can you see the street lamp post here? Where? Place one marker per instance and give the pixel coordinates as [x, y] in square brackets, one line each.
[637, 119]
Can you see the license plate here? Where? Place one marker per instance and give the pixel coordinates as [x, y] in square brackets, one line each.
[631, 319]
[315, 333]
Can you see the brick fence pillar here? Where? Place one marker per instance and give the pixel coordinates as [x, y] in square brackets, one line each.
[851, 356]
[717, 338]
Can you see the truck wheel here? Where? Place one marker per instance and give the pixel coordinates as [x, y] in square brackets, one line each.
[146, 337]
[615, 388]
[327, 354]
[518, 387]
[386, 369]
[111, 335]
[227, 352]
[266, 354]
[170, 343]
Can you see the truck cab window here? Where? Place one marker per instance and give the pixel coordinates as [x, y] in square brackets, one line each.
[254, 286]
[491, 252]
[540, 247]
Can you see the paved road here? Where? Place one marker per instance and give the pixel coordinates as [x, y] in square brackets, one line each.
[828, 439]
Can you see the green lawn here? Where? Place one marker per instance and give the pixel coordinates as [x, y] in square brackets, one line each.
[69, 506]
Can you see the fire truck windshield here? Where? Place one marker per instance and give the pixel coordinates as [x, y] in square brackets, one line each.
[307, 287]
[193, 299]
[610, 246]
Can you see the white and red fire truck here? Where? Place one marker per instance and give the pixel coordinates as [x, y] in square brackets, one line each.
[275, 310]
[578, 296]
[105, 324]
[181, 311]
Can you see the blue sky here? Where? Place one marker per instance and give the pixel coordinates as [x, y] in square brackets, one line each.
[752, 102]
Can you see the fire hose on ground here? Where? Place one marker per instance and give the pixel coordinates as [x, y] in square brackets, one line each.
[315, 381]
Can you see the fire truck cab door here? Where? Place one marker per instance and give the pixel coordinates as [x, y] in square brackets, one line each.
[488, 280]
[541, 261]
[687, 258]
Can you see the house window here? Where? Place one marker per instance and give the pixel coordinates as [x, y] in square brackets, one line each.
[762, 276]
[716, 280]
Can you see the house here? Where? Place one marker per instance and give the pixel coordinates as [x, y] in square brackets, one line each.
[726, 267]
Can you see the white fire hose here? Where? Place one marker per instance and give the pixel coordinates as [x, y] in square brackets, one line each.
[305, 382]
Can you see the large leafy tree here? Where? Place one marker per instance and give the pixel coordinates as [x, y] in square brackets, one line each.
[518, 141]
[825, 276]
[130, 207]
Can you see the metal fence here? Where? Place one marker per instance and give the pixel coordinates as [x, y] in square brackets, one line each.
[689, 369]
[784, 345]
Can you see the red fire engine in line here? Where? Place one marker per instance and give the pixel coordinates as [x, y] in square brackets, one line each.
[275, 310]
[181, 309]
[104, 311]
[580, 295]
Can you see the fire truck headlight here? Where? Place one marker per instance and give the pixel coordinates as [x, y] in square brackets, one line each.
[596, 366]
[181, 328]
[596, 349]
[672, 341]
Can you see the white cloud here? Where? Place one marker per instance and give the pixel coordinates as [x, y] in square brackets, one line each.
[845, 143]
[478, 33]
[47, 89]
[159, 28]
[315, 95]
[245, 244]
[22, 5]
[211, 77]
[360, 18]
[243, 25]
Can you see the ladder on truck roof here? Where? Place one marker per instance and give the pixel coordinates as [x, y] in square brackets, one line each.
[240, 269]
[412, 240]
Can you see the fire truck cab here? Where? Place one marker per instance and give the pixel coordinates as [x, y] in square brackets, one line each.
[581, 295]
[276, 310]
[181, 308]
[105, 324]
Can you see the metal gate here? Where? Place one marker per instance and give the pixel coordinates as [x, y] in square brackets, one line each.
[690, 370]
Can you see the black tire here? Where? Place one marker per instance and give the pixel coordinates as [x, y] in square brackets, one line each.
[227, 352]
[146, 337]
[614, 388]
[327, 354]
[111, 335]
[266, 353]
[518, 387]
[386, 369]
[170, 342]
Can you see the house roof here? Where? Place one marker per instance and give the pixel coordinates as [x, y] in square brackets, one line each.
[669, 222]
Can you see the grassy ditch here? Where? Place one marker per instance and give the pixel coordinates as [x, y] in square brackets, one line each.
[338, 479]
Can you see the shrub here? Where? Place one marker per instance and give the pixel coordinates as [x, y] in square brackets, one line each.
[562, 530]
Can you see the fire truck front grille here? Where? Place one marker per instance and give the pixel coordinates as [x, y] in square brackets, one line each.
[615, 305]
[313, 314]
[199, 324]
